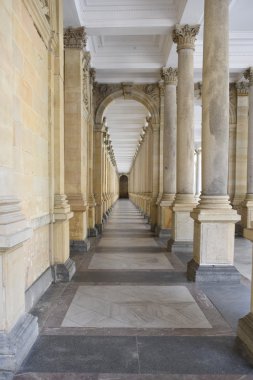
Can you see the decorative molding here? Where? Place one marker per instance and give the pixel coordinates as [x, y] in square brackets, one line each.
[40, 221]
[248, 74]
[185, 36]
[169, 75]
[77, 202]
[86, 80]
[92, 76]
[14, 229]
[75, 38]
[242, 88]
[39, 12]
[161, 87]
[45, 8]
[61, 208]
[102, 90]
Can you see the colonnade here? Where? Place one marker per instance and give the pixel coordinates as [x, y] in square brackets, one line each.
[106, 179]
[59, 185]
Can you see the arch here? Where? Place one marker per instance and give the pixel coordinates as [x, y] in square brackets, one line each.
[132, 94]
[123, 186]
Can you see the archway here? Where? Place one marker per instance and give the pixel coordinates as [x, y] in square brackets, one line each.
[123, 186]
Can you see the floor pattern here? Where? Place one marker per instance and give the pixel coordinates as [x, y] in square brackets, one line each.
[130, 314]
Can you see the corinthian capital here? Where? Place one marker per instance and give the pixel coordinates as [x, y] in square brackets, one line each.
[242, 88]
[75, 38]
[248, 74]
[185, 35]
[169, 75]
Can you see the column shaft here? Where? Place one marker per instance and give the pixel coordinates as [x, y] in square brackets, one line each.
[214, 217]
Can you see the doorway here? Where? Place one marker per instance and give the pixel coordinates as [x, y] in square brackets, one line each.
[123, 187]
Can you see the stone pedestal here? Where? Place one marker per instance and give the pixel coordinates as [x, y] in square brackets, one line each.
[18, 330]
[213, 242]
[61, 261]
[182, 232]
[245, 324]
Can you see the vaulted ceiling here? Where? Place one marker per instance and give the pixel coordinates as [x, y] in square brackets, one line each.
[130, 40]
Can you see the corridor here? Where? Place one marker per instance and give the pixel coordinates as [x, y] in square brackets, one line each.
[129, 313]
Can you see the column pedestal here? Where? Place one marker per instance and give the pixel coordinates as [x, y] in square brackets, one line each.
[166, 215]
[182, 232]
[245, 325]
[78, 224]
[247, 211]
[63, 268]
[214, 226]
[18, 330]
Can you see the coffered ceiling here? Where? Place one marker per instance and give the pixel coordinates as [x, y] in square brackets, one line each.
[130, 40]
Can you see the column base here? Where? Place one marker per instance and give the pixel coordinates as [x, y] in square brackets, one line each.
[179, 246]
[79, 246]
[163, 232]
[153, 227]
[15, 345]
[99, 228]
[92, 232]
[212, 273]
[244, 340]
[64, 272]
[238, 229]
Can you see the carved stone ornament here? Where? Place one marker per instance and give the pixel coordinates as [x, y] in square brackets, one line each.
[185, 36]
[86, 62]
[92, 75]
[75, 38]
[242, 88]
[169, 75]
[248, 74]
[45, 7]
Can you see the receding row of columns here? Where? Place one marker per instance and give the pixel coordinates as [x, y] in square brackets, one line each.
[211, 222]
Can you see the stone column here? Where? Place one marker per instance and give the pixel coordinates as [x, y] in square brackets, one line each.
[155, 176]
[247, 212]
[241, 147]
[92, 231]
[98, 174]
[63, 266]
[169, 75]
[214, 218]
[182, 231]
[232, 140]
[76, 61]
[161, 122]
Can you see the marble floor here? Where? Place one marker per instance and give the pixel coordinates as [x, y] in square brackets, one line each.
[134, 306]
[130, 314]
